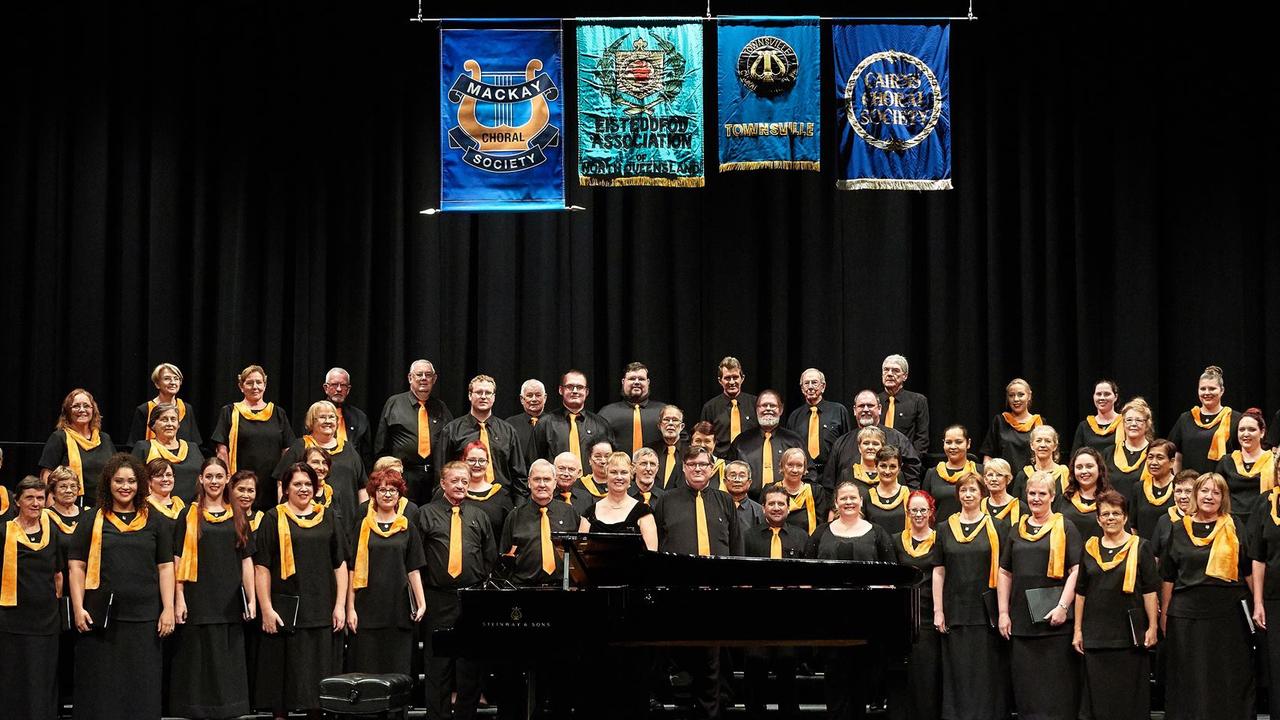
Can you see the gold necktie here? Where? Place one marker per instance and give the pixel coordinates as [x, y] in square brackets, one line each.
[342, 427]
[671, 465]
[888, 420]
[637, 433]
[548, 552]
[814, 446]
[455, 542]
[533, 422]
[700, 516]
[575, 444]
[424, 431]
[766, 462]
[568, 497]
[775, 543]
[484, 438]
[735, 421]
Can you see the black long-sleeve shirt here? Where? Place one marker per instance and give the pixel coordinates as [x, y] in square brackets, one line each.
[677, 522]
[749, 448]
[479, 545]
[834, 421]
[910, 417]
[620, 416]
[551, 436]
[717, 411]
[523, 531]
[397, 433]
[506, 454]
[758, 541]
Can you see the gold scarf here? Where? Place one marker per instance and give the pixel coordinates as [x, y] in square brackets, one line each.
[1224, 555]
[1121, 458]
[1175, 515]
[360, 576]
[950, 477]
[1128, 552]
[255, 521]
[1057, 542]
[1022, 427]
[400, 506]
[993, 539]
[897, 501]
[1082, 506]
[1011, 510]
[1103, 431]
[189, 565]
[1264, 468]
[592, 487]
[4, 500]
[151, 405]
[284, 513]
[1059, 472]
[309, 441]
[1275, 517]
[57, 520]
[75, 443]
[482, 496]
[14, 536]
[925, 545]
[170, 512]
[239, 410]
[1149, 490]
[160, 451]
[93, 574]
[1221, 436]
[325, 492]
[804, 499]
[861, 473]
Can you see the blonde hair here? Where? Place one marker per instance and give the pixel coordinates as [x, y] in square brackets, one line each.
[1000, 465]
[1221, 483]
[310, 418]
[245, 373]
[1140, 404]
[1046, 477]
[155, 374]
[387, 461]
[1213, 372]
[1047, 429]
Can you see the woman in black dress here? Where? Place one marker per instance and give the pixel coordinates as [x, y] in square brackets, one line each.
[1126, 460]
[78, 443]
[244, 491]
[1207, 433]
[887, 500]
[213, 546]
[491, 497]
[1099, 430]
[1204, 570]
[940, 481]
[1264, 550]
[999, 501]
[1184, 504]
[1010, 434]
[1250, 472]
[1042, 551]
[30, 582]
[252, 434]
[164, 444]
[1044, 458]
[618, 512]
[168, 381]
[385, 571]
[64, 513]
[124, 553]
[343, 474]
[915, 692]
[1151, 497]
[808, 504]
[975, 661]
[301, 572]
[1078, 501]
[1116, 616]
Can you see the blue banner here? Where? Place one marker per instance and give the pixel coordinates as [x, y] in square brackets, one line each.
[501, 116]
[640, 109]
[894, 100]
[769, 93]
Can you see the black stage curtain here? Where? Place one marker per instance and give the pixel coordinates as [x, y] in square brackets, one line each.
[223, 184]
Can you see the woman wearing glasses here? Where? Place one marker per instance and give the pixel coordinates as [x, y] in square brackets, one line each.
[491, 497]
[78, 443]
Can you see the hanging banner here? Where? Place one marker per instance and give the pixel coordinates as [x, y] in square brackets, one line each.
[640, 109]
[501, 116]
[769, 93]
[894, 100]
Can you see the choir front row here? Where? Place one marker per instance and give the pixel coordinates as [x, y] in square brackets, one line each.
[173, 601]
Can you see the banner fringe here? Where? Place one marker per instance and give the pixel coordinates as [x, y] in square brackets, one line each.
[884, 184]
[642, 181]
[771, 165]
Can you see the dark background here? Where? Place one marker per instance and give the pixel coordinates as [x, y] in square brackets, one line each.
[240, 183]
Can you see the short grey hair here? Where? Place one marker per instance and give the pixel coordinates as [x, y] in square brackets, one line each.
[898, 360]
[532, 381]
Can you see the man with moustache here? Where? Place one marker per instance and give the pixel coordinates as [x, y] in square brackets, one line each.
[730, 411]
[353, 423]
[569, 488]
[571, 427]
[761, 447]
[669, 447]
[409, 430]
[506, 456]
[634, 418]
[819, 421]
[845, 452]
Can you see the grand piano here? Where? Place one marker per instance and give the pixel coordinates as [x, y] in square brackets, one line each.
[615, 592]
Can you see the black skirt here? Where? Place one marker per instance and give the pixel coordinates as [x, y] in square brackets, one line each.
[384, 650]
[118, 673]
[1118, 683]
[207, 677]
[1224, 689]
[290, 668]
[975, 674]
[1046, 677]
[1268, 642]
[915, 688]
[29, 668]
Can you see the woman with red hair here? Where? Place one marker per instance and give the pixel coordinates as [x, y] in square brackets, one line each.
[917, 694]
[491, 497]
[78, 443]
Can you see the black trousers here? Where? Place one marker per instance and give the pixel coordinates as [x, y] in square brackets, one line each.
[446, 675]
[783, 662]
[703, 666]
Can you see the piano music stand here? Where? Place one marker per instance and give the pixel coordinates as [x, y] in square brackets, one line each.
[598, 559]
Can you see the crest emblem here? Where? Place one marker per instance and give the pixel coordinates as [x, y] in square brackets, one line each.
[629, 78]
[516, 614]
[503, 117]
[893, 89]
[767, 66]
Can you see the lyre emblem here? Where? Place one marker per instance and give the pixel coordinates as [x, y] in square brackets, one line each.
[488, 105]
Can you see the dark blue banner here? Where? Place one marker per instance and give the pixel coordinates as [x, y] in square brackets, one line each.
[894, 106]
[501, 116]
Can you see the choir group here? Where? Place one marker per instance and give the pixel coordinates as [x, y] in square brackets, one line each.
[208, 579]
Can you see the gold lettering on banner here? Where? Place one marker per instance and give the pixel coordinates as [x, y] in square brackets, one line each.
[776, 129]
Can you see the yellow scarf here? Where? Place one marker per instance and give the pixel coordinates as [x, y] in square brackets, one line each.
[1175, 515]
[14, 536]
[284, 513]
[189, 565]
[93, 573]
[160, 451]
[925, 545]
[1149, 490]
[1057, 542]
[151, 405]
[170, 512]
[804, 499]
[309, 441]
[57, 520]
[1103, 431]
[1121, 458]
[950, 477]
[860, 472]
[1224, 555]
[325, 492]
[360, 576]
[400, 506]
[482, 496]
[4, 500]
[1022, 427]
[592, 487]
[239, 410]
[1128, 552]
[1011, 510]
[1275, 517]
[1264, 468]
[1085, 507]
[1059, 472]
[255, 521]
[993, 539]
[897, 501]
[1221, 436]
[75, 443]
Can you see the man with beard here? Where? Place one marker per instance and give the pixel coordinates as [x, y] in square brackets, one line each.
[669, 447]
[761, 447]
[634, 418]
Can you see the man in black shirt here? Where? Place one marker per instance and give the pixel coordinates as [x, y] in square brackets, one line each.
[572, 427]
[669, 448]
[750, 447]
[819, 421]
[460, 548]
[730, 412]
[409, 429]
[845, 451]
[522, 533]
[904, 411]
[634, 418]
[569, 488]
[353, 424]
[737, 479]
[506, 456]
[533, 398]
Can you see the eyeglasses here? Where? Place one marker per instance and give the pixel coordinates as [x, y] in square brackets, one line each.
[388, 491]
[697, 465]
[477, 461]
[671, 421]
[482, 393]
[81, 406]
[338, 386]
[574, 388]
[919, 511]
